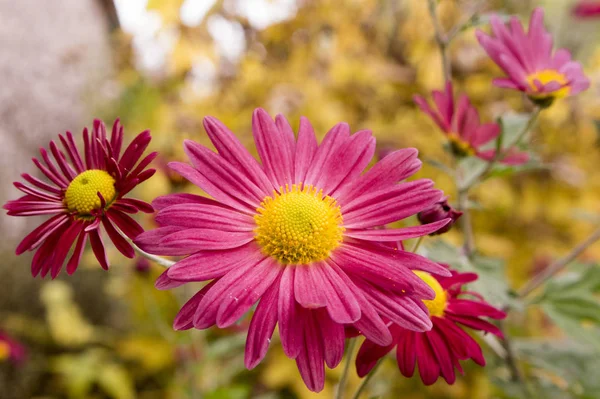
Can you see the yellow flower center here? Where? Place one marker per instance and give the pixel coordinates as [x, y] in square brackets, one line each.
[298, 226]
[546, 76]
[437, 305]
[82, 193]
[4, 350]
[460, 147]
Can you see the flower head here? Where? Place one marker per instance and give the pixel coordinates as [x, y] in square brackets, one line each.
[528, 61]
[587, 9]
[81, 195]
[439, 211]
[297, 233]
[438, 351]
[463, 128]
[11, 350]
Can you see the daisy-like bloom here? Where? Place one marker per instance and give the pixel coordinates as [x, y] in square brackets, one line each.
[81, 195]
[528, 61]
[438, 351]
[463, 128]
[11, 350]
[300, 234]
[587, 9]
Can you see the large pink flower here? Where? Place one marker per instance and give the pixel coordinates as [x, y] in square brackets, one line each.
[438, 351]
[83, 195]
[465, 132]
[300, 234]
[528, 61]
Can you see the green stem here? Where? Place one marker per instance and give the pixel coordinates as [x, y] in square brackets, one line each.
[417, 244]
[344, 378]
[441, 40]
[366, 380]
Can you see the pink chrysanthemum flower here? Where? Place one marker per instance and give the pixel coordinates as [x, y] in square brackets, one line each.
[438, 351]
[587, 9]
[81, 195]
[528, 61]
[298, 233]
[461, 124]
[11, 350]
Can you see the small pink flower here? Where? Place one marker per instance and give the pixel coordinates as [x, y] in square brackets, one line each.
[81, 195]
[587, 9]
[438, 351]
[11, 350]
[461, 124]
[528, 61]
[299, 233]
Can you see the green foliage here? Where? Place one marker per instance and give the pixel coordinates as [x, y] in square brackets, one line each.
[570, 301]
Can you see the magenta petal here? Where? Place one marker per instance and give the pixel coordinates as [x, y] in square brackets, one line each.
[393, 235]
[238, 278]
[273, 148]
[305, 150]
[342, 305]
[163, 282]
[443, 355]
[98, 248]
[205, 216]
[241, 296]
[337, 137]
[192, 240]
[406, 353]
[63, 246]
[37, 236]
[230, 148]
[182, 198]
[368, 356]
[289, 316]
[77, 253]
[206, 265]
[307, 286]
[185, 318]
[429, 369]
[333, 338]
[370, 323]
[262, 327]
[120, 243]
[310, 360]
[125, 223]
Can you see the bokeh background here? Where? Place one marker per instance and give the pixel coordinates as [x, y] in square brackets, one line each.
[165, 64]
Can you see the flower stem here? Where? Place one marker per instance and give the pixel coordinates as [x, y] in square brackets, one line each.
[157, 259]
[557, 266]
[366, 380]
[344, 378]
[441, 40]
[417, 244]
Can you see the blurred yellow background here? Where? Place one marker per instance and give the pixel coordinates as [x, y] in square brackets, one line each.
[165, 64]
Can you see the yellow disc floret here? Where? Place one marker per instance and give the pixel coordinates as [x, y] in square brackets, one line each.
[298, 225]
[82, 193]
[4, 350]
[437, 305]
[546, 76]
[460, 147]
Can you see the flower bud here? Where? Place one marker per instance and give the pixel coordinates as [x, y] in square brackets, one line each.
[439, 211]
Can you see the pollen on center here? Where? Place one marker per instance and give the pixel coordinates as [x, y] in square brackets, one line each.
[437, 305]
[298, 225]
[546, 76]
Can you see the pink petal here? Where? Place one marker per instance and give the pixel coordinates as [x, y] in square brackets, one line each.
[289, 316]
[393, 235]
[305, 150]
[205, 216]
[310, 359]
[337, 137]
[273, 148]
[261, 327]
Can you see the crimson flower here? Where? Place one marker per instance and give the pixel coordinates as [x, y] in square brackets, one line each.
[81, 195]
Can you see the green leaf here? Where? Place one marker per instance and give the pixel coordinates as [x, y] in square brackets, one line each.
[570, 301]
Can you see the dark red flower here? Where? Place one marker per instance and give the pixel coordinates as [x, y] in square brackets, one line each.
[81, 195]
[438, 351]
[587, 9]
[439, 211]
